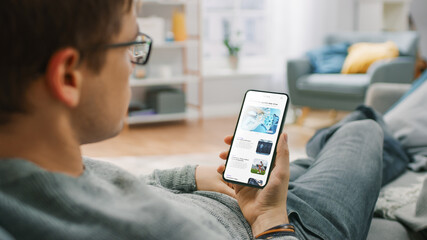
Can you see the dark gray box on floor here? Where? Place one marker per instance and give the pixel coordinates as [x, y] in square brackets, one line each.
[166, 100]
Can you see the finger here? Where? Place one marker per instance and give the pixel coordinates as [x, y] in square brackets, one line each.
[224, 155]
[221, 168]
[228, 139]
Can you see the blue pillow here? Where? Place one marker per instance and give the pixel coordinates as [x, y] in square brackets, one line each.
[328, 59]
[420, 80]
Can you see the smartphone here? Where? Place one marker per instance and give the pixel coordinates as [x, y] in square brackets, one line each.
[253, 148]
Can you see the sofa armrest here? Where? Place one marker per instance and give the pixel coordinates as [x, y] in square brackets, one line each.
[397, 70]
[381, 96]
[299, 66]
[295, 68]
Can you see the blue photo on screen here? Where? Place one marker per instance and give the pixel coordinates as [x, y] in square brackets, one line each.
[256, 182]
[264, 147]
[260, 119]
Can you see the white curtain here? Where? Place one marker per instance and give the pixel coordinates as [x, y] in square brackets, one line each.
[301, 25]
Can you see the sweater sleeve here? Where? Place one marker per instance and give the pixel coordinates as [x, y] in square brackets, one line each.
[181, 179]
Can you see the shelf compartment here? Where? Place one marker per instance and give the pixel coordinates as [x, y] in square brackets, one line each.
[166, 2]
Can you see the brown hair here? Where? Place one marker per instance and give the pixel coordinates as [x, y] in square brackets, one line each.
[33, 30]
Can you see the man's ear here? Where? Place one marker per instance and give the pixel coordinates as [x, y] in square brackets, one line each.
[63, 79]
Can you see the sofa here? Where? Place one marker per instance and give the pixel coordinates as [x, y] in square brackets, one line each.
[347, 91]
[381, 96]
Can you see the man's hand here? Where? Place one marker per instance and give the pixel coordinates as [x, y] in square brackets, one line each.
[208, 179]
[265, 208]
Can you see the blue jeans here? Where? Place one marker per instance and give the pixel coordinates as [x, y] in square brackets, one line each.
[332, 194]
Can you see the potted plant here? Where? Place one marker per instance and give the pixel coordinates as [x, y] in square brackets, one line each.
[233, 51]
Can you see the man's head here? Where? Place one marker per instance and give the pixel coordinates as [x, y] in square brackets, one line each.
[53, 63]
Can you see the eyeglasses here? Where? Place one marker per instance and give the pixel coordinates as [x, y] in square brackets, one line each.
[139, 49]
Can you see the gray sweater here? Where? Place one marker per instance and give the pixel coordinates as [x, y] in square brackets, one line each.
[106, 202]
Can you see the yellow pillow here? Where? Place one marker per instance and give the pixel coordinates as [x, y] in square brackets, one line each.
[362, 55]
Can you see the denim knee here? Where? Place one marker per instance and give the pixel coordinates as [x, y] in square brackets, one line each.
[369, 132]
[366, 129]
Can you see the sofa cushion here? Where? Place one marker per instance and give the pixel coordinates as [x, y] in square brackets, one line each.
[386, 229]
[353, 85]
[329, 58]
[407, 122]
[362, 55]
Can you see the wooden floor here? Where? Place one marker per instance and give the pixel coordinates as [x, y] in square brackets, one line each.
[191, 137]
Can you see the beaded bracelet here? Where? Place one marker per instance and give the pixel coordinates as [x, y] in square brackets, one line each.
[279, 230]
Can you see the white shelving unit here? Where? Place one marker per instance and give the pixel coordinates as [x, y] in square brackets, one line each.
[174, 55]
[175, 80]
[383, 15]
[166, 2]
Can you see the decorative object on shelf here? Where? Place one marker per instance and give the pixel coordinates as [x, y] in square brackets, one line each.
[233, 47]
[137, 108]
[165, 100]
[140, 71]
[169, 37]
[178, 26]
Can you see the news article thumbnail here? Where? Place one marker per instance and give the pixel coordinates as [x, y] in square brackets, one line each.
[260, 119]
[255, 182]
[259, 166]
[264, 147]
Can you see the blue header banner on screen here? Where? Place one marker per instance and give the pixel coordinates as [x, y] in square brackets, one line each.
[253, 147]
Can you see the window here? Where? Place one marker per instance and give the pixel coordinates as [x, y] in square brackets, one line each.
[245, 22]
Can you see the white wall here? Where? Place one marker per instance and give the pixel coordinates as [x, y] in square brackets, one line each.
[223, 96]
[309, 21]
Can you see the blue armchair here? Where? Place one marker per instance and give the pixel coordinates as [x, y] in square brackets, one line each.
[346, 91]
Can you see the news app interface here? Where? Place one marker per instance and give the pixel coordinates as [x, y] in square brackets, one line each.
[250, 157]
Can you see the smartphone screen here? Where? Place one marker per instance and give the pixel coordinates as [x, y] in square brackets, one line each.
[253, 147]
